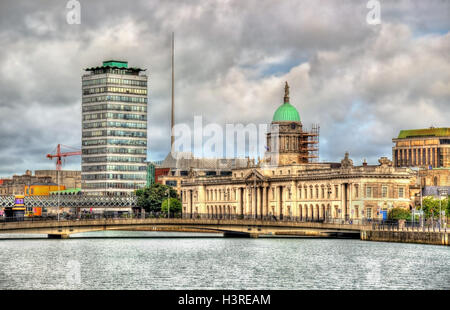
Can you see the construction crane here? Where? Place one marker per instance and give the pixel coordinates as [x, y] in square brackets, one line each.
[60, 155]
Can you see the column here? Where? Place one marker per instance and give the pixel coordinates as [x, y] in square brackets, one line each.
[406, 157]
[264, 202]
[190, 204]
[294, 202]
[436, 163]
[259, 209]
[342, 207]
[246, 203]
[254, 201]
[241, 201]
[350, 207]
[280, 201]
[420, 156]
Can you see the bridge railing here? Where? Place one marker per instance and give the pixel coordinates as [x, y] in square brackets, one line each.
[413, 226]
[93, 216]
[285, 218]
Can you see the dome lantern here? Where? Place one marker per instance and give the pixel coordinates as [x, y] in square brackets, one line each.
[286, 112]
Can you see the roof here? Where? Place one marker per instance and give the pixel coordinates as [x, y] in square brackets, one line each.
[188, 161]
[67, 191]
[115, 63]
[428, 132]
[44, 184]
[286, 112]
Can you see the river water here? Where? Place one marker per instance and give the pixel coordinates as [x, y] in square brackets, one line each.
[157, 260]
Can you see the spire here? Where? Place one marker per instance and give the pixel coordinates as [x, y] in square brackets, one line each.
[172, 121]
[286, 93]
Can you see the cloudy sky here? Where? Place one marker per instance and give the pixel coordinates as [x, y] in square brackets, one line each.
[361, 82]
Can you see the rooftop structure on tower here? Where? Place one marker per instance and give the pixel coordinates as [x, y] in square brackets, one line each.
[287, 142]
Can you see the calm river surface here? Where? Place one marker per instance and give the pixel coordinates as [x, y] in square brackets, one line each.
[139, 262]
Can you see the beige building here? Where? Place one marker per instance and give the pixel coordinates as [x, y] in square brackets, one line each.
[187, 165]
[16, 184]
[428, 148]
[302, 191]
[285, 184]
[68, 178]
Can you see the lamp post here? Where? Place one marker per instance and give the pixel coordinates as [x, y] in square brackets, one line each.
[168, 203]
[442, 193]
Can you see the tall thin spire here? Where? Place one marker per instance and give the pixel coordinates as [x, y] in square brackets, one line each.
[172, 122]
[286, 93]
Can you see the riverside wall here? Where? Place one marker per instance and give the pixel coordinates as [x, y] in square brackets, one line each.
[424, 237]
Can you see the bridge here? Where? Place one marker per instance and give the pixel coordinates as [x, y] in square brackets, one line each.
[72, 201]
[228, 227]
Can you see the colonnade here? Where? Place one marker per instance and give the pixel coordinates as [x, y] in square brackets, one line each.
[427, 156]
[261, 201]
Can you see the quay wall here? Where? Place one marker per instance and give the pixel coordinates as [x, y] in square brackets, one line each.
[424, 237]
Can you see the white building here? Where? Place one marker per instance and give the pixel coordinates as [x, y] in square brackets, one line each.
[114, 129]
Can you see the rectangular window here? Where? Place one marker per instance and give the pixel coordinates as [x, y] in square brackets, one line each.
[368, 192]
[401, 192]
[356, 191]
[369, 213]
[336, 191]
[171, 183]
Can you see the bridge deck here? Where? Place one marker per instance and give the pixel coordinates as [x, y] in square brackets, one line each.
[255, 227]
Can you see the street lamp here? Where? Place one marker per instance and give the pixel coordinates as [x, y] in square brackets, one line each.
[442, 193]
[168, 203]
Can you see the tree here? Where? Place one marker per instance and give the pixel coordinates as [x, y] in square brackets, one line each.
[151, 198]
[399, 214]
[175, 206]
[430, 206]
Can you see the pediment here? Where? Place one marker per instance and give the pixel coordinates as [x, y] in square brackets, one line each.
[254, 175]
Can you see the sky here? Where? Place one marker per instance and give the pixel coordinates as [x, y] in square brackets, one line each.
[361, 82]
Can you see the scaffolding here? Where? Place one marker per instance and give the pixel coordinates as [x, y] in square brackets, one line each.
[310, 148]
[314, 138]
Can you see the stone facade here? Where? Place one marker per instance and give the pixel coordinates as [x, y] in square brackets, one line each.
[67, 178]
[16, 184]
[426, 148]
[286, 184]
[289, 144]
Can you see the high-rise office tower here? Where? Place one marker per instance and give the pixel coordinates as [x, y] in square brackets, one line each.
[114, 129]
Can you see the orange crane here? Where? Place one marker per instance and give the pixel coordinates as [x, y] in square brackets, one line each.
[60, 155]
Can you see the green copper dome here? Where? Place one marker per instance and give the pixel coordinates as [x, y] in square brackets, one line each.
[286, 112]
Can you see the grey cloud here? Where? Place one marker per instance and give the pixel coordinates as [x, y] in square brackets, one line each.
[352, 78]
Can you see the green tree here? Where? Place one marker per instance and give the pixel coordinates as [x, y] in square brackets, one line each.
[399, 214]
[175, 206]
[447, 208]
[430, 206]
[150, 198]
